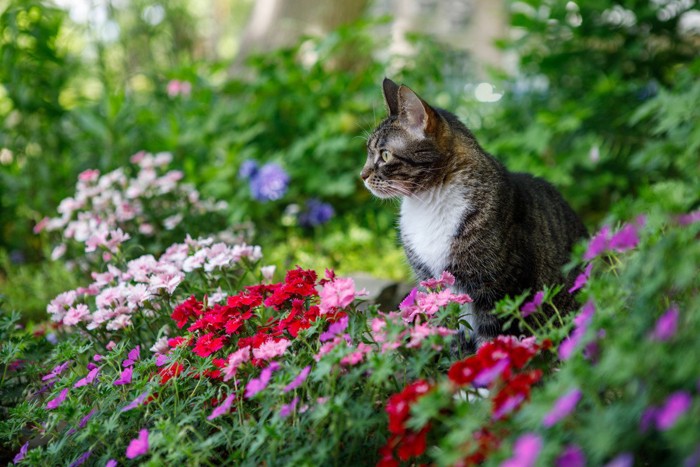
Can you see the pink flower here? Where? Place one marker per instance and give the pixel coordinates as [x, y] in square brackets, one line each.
[256, 385]
[41, 225]
[445, 280]
[235, 360]
[298, 380]
[562, 407]
[287, 409]
[125, 377]
[56, 402]
[581, 321]
[138, 446]
[87, 379]
[423, 330]
[666, 326]
[222, 408]
[271, 349]
[111, 463]
[89, 175]
[57, 370]
[336, 294]
[525, 451]
[161, 359]
[356, 357]
[327, 348]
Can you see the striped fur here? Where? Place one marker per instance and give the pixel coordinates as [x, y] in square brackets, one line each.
[499, 233]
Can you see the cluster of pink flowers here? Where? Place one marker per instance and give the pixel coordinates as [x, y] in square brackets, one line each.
[117, 294]
[438, 295]
[108, 209]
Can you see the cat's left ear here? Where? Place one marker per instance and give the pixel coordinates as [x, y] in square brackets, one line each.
[415, 113]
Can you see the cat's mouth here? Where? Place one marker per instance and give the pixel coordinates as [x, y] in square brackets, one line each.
[385, 189]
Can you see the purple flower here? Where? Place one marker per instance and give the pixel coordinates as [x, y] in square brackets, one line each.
[138, 446]
[300, 378]
[625, 239]
[675, 406]
[598, 244]
[256, 385]
[136, 402]
[621, 460]
[249, 168]
[287, 409]
[571, 457]
[133, 355]
[111, 463]
[56, 371]
[87, 379]
[525, 451]
[334, 329]
[532, 305]
[485, 377]
[562, 407]
[222, 408]
[648, 417]
[161, 360]
[125, 377]
[54, 403]
[581, 322]
[692, 460]
[81, 460]
[22, 453]
[666, 326]
[690, 218]
[270, 183]
[316, 213]
[86, 418]
[582, 278]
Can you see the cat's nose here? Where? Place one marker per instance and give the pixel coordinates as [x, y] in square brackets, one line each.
[364, 174]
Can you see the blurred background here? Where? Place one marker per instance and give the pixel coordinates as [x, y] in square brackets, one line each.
[602, 98]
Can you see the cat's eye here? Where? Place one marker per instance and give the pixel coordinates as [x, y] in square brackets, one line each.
[385, 155]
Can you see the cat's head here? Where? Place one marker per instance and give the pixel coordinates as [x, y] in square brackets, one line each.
[406, 153]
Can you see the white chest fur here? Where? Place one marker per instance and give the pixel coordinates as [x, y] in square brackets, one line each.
[429, 222]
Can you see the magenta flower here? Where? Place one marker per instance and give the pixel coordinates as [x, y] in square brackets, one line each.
[582, 278]
[161, 360]
[675, 406]
[572, 456]
[648, 418]
[335, 329]
[298, 380]
[125, 377]
[57, 370]
[81, 460]
[508, 406]
[132, 357]
[287, 409]
[22, 453]
[409, 301]
[55, 403]
[136, 402]
[581, 322]
[486, 376]
[222, 408]
[525, 451]
[87, 379]
[690, 218]
[256, 385]
[531, 306]
[625, 239]
[111, 463]
[562, 407]
[666, 326]
[622, 460]
[598, 244]
[138, 446]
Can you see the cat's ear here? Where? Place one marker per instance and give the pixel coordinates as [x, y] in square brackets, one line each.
[415, 113]
[391, 96]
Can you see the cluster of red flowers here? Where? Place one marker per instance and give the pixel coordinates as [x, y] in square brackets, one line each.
[238, 324]
[406, 442]
[497, 364]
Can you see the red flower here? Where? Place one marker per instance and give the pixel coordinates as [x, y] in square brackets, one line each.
[514, 393]
[187, 309]
[486, 443]
[169, 372]
[412, 444]
[207, 345]
[398, 406]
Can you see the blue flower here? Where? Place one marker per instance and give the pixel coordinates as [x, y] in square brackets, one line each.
[269, 183]
[316, 213]
[249, 168]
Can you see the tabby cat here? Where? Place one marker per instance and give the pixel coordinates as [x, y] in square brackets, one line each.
[499, 233]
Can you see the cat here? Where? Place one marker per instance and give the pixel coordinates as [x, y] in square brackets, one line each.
[498, 233]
